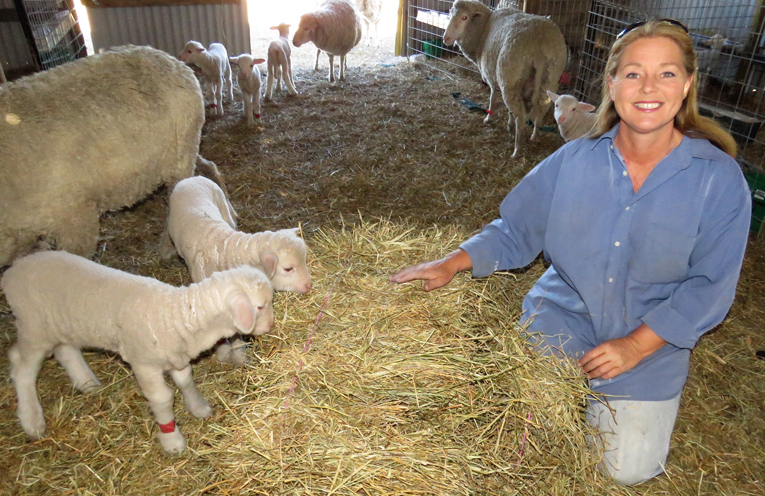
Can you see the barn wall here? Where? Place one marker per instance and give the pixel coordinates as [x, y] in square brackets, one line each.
[168, 28]
[14, 52]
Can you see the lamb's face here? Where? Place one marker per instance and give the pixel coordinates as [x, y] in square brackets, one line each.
[261, 296]
[247, 64]
[565, 106]
[190, 51]
[292, 271]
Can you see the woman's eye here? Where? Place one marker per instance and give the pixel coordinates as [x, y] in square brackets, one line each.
[632, 75]
[668, 74]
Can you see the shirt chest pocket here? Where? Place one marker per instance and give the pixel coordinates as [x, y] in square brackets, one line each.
[661, 252]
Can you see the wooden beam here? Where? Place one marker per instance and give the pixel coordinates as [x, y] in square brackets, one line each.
[106, 4]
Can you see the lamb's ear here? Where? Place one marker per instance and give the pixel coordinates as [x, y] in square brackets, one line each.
[200, 50]
[233, 60]
[242, 312]
[270, 261]
[259, 61]
[585, 107]
[553, 96]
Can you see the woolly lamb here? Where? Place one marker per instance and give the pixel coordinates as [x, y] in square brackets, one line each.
[335, 29]
[215, 67]
[574, 118]
[279, 62]
[371, 12]
[249, 83]
[519, 56]
[63, 302]
[130, 122]
[202, 226]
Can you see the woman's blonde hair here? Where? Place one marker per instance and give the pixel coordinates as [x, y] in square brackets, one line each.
[688, 120]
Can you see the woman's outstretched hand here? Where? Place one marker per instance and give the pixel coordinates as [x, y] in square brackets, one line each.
[436, 273]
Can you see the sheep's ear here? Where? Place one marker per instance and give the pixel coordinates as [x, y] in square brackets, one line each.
[200, 50]
[233, 60]
[585, 107]
[259, 61]
[242, 312]
[553, 96]
[270, 261]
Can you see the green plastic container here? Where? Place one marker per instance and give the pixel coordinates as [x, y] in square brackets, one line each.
[433, 48]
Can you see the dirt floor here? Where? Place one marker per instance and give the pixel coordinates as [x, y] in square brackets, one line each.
[392, 142]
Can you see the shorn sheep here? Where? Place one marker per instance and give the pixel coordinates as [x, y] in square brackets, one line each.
[130, 122]
[249, 83]
[213, 62]
[202, 227]
[280, 62]
[520, 56]
[371, 12]
[63, 302]
[574, 118]
[335, 28]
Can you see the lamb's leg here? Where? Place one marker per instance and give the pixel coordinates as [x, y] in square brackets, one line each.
[316, 67]
[160, 397]
[248, 108]
[195, 403]
[342, 68]
[290, 80]
[270, 82]
[332, 67]
[230, 80]
[70, 357]
[495, 97]
[231, 351]
[256, 103]
[279, 76]
[219, 96]
[26, 359]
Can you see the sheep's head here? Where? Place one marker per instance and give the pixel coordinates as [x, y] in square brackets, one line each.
[566, 105]
[462, 14]
[284, 262]
[249, 298]
[284, 29]
[306, 30]
[191, 50]
[246, 63]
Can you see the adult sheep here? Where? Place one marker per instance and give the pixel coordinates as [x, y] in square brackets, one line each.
[520, 57]
[90, 136]
[335, 28]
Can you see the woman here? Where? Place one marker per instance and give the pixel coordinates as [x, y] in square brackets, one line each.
[645, 222]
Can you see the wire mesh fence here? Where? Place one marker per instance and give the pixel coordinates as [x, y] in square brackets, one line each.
[54, 27]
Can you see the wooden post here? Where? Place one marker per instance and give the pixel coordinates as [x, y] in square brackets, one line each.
[402, 27]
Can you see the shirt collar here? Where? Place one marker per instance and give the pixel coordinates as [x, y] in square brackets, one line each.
[688, 149]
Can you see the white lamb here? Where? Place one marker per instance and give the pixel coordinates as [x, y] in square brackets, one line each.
[371, 12]
[249, 83]
[202, 226]
[574, 118]
[335, 28]
[279, 62]
[131, 122]
[215, 66]
[63, 302]
[520, 56]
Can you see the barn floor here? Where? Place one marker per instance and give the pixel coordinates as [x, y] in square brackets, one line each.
[393, 147]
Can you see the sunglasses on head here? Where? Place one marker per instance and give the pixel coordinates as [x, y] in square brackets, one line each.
[636, 25]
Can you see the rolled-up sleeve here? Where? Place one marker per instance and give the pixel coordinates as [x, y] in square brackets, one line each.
[702, 300]
[517, 237]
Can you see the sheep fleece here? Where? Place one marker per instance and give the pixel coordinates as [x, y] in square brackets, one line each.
[90, 136]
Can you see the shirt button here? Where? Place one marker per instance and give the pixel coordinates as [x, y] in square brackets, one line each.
[612, 147]
[617, 243]
[610, 279]
[624, 173]
[627, 208]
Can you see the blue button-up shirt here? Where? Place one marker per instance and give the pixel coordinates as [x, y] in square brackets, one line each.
[668, 256]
